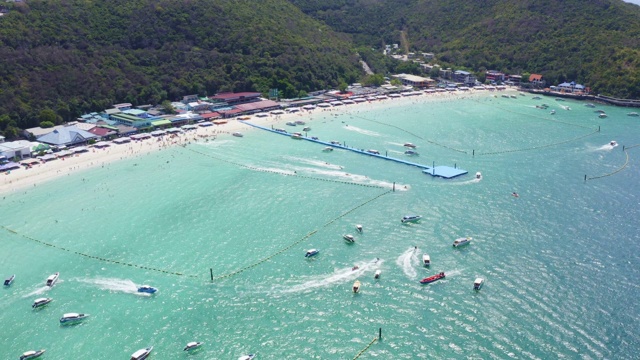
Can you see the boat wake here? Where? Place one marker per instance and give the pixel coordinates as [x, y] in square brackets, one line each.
[318, 163]
[606, 147]
[407, 262]
[112, 284]
[361, 131]
[38, 291]
[217, 143]
[355, 178]
[338, 276]
[467, 182]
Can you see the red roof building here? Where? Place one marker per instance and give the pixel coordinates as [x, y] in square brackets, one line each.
[236, 98]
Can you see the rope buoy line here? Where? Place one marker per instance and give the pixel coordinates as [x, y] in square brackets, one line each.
[366, 348]
[96, 257]
[297, 242]
[620, 169]
[282, 173]
[538, 147]
[409, 132]
[535, 116]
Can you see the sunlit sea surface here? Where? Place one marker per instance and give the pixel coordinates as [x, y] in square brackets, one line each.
[561, 260]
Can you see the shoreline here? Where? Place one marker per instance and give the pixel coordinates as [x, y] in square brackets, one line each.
[25, 178]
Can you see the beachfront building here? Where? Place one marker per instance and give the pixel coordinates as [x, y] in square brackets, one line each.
[571, 88]
[464, 77]
[15, 149]
[132, 120]
[236, 98]
[494, 76]
[415, 80]
[514, 79]
[537, 80]
[67, 136]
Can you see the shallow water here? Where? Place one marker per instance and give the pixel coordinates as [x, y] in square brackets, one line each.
[558, 260]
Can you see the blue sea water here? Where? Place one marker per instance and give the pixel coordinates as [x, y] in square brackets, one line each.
[560, 261]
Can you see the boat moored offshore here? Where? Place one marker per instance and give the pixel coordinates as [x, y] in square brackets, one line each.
[433, 278]
[426, 260]
[311, 252]
[193, 345]
[142, 353]
[71, 318]
[462, 241]
[477, 284]
[247, 357]
[359, 228]
[356, 286]
[410, 218]
[349, 238]
[8, 281]
[32, 354]
[237, 134]
[41, 302]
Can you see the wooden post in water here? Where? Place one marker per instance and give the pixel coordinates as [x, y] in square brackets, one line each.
[585, 178]
[474, 153]
[598, 128]
[211, 271]
[394, 186]
[379, 334]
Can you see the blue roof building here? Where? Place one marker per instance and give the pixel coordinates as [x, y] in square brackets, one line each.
[67, 136]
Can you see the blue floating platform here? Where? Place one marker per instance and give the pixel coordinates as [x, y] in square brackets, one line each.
[446, 172]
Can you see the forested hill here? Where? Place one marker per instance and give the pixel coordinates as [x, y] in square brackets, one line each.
[595, 42]
[74, 56]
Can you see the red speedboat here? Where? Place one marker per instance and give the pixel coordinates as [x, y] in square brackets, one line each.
[433, 278]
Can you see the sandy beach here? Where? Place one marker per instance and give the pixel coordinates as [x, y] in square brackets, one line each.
[23, 178]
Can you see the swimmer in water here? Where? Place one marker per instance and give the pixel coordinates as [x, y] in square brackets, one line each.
[515, 194]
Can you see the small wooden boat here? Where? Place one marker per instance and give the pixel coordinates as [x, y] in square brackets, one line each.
[433, 278]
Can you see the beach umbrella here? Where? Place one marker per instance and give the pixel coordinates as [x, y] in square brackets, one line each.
[41, 147]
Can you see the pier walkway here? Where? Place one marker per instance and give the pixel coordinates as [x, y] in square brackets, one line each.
[446, 172]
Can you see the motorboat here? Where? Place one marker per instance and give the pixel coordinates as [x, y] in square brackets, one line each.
[478, 283]
[193, 345]
[599, 111]
[311, 252]
[328, 149]
[70, 318]
[462, 241]
[247, 357]
[333, 142]
[633, 114]
[356, 267]
[356, 286]
[51, 280]
[300, 122]
[411, 153]
[349, 238]
[513, 96]
[552, 112]
[280, 130]
[142, 353]
[602, 115]
[478, 175]
[372, 151]
[376, 275]
[237, 134]
[410, 145]
[147, 289]
[559, 99]
[536, 98]
[589, 105]
[410, 218]
[359, 228]
[296, 136]
[613, 143]
[306, 129]
[290, 123]
[31, 354]
[433, 278]
[41, 302]
[505, 96]
[8, 281]
[426, 260]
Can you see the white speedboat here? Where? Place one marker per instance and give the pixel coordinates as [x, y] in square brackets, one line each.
[290, 123]
[311, 252]
[536, 98]
[552, 112]
[613, 143]
[411, 153]
[356, 286]
[372, 151]
[426, 260]
[8, 281]
[300, 122]
[462, 241]
[296, 136]
[237, 134]
[349, 238]
[590, 105]
[333, 142]
[328, 149]
[478, 283]
[359, 228]
[193, 345]
[633, 114]
[377, 274]
[51, 280]
[31, 354]
[70, 318]
[306, 129]
[410, 218]
[410, 145]
[41, 302]
[599, 111]
[478, 175]
[247, 357]
[602, 115]
[142, 353]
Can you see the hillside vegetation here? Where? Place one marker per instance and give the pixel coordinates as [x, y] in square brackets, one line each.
[75, 56]
[595, 42]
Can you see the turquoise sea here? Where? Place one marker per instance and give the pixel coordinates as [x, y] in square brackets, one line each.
[561, 261]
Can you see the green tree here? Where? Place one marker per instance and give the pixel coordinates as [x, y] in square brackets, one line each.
[49, 116]
[46, 124]
[373, 80]
[342, 86]
[167, 107]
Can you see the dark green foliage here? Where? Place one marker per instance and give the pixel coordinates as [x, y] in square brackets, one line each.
[75, 56]
[595, 42]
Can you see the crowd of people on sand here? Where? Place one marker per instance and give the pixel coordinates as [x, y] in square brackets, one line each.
[43, 171]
